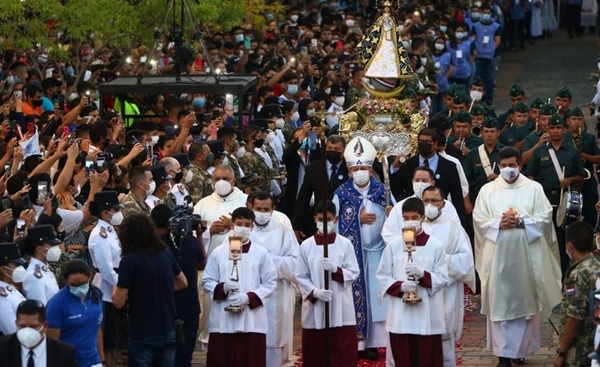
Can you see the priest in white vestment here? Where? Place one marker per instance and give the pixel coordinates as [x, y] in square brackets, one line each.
[516, 256]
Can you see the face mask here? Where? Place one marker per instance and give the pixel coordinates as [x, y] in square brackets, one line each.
[406, 44]
[188, 176]
[154, 139]
[37, 102]
[340, 100]
[292, 89]
[509, 173]
[301, 32]
[420, 70]
[117, 219]
[80, 291]
[350, 22]
[259, 143]
[279, 123]
[18, 274]
[295, 117]
[151, 188]
[459, 35]
[262, 218]
[178, 177]
[199, 102]
[418, 188]
[243, 232]
[476, 95]
[311, 112]
[443, 28]
[439, 46]
[305, 144]
[239, 37]
[222, 188]
[400, 27]
[569, 254]
[240, 152]
[53, 254]
[210, 159]
[474, 16]
[424, 149]
[327, 91]
[270, 137]
[330, 227]
[486, 17]
[294, 18]
[416, 224]
[18, 94]
[431, 211]
[29, 337]
[334, 157]
[361, 177]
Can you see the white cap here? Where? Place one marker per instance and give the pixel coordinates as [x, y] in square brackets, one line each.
[359, 152]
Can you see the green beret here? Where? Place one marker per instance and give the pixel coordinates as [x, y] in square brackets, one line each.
[547, 109]
[556, 120]
[455, 89]
[564, 92]
[462, 116]
[478, 82]
[521, 107]
[478, 110]
[575, 111]
[516, 90]
[537, 103]
[490, 123]
[460, 98]
[409, 93]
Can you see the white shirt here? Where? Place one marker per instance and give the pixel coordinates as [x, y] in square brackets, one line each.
[39, 355]
[71, 219]
[41, 287]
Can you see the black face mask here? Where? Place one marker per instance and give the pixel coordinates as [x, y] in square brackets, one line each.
[334, 157]
[424, 148]
[178, 177]
[259, 143]
[37, 102]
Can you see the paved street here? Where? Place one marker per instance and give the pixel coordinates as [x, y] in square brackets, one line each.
[542, 69]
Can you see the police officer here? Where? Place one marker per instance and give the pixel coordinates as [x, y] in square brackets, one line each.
[542, 169]
[43, 247]
[585, 143]
[105, 250]
[180, 190]
[539, 136]
[257, 172]
[161, 180]
[463, 138]
[11, 272]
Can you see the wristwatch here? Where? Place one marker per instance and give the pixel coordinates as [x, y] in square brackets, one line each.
[560, 352]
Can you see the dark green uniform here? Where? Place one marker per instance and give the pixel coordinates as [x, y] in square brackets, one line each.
[580, 281]
[513, 134]
[503, 117]
[531, 140]
[474, 169]
[472, 142]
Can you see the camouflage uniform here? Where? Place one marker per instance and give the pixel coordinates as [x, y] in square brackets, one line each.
[257, 174]
[580, 281]
[286, 130]
[354, 95]
[169, 200]
[201, 185]
[133, 205]
[235, 166]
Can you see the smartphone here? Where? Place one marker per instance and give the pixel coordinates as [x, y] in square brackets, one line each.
[71, 138]
[6, 203]
[155, 159]
[60, 99]
[31, 128]
[314, 43]
[247, 43]
[65, 132]
[21, 227]
[100, 162]
[133, 140]
[198, 63]
[42, 187]
[7, 168]
[89, 166]
[26, 202]
[149, 151]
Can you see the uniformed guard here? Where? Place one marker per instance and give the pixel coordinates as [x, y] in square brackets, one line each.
[514, 133]
[202, 184]
[273, 112]
[585, 143]
[141, 184]
[577, 329]
[557, 167]
[105, 250]
[42, 245]
[161, 179]
[539, 136]
[257, 172]
[173, 168]
[562, 101]
[516, 94]
[12, 272]
[463, 137]
[478, 114]
[180, 190]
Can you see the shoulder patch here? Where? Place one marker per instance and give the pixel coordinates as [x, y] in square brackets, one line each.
[103, 232]
[38, 272]
[570, 291]
[3, 292]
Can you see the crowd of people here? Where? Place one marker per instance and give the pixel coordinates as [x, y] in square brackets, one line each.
[135, 225]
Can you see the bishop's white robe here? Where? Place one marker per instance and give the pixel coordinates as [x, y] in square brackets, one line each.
[519, 267]
[282, 246]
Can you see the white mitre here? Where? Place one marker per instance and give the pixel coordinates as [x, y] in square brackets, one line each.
[359, 152]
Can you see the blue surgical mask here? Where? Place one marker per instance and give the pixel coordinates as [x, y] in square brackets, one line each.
[292, 89]
[199, 102]
[486, 17]
[239, 37]
[475, 16]
[305, 145]
[80, 291]
[443, 28]
[459, 35]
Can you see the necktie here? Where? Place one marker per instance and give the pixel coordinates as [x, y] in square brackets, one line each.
[30, 362]
[426, 162]
[333, 173]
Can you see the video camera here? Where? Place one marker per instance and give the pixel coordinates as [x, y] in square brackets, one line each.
[183, 222]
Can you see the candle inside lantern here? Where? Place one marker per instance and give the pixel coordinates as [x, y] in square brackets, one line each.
[408, 234]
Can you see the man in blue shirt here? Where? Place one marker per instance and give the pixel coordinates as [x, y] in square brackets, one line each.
[487, 38]
[516, 24]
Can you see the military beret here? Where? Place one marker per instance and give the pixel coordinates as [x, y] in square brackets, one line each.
[564, 92]
[462, 116]
[478, 110]
[547, 109]
[521, 107]
[460, 98]
[575, 111]
[516, 90]
[556, 120]
[490, 123]
[537, 103]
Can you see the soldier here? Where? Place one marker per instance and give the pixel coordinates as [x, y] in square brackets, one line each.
[539, 136]
[234, 151]
[585, 143]
[463, 138]
[11, 272]
[356, 91]
[517, 94]
[201, 158]
[460, 102]
[161, 183]
[478, 114]
[141, 185]
[258, 173]
[576, 339]
[562, 101]
[514, 133]
[545, 167]
[42, 245]
[180, 190]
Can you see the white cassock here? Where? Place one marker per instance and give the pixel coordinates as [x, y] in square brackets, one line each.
[309, 275]
[461, 270]
[282, 246]
[256, 274]
[392, 228]
[372, 246]
[519, 268]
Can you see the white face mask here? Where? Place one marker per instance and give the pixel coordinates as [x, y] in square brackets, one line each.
[18, 94]
[295, 117]
[439, 46]
[416, 224]
[240, 152]
[294, 18]
[243, 232]
[509, 173]
[270, 137]
[340, 100]
[280, 122]
[29, 337]
[476, 95]
[225, 160]
[431, 211]
[222, 188]
[330, 227]
[151, 189]
[188, 176]
[117, 219]
[310, 112]
[361, 177]
[418, 188]
[53, 254]
[327, 91]
[262, 218]
[420, 70]
[18, 274]
[406, 44]
[154, 140]
[350, 22]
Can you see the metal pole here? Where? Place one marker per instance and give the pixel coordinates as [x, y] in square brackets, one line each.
[326, 187]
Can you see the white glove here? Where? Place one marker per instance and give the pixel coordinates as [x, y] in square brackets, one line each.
[328, 265]
[408, 285]
[595, 363]
[323, 294]
[414, 270]
[239, 299]
[231, 285]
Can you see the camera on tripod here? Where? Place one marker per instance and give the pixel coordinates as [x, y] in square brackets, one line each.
[183, 222]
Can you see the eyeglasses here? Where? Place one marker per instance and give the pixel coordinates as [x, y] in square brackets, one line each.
[432, 201]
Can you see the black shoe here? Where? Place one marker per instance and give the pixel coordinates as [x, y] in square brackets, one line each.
[370, 354]
[518, 360]
[504, 362]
